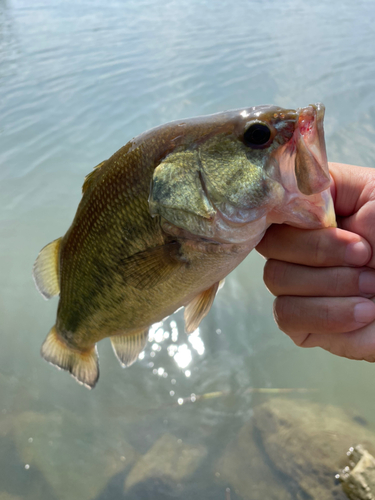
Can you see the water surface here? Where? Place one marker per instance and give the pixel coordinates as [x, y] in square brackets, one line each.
[78, 80]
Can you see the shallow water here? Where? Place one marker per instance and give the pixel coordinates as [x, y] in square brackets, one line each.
[78, 80]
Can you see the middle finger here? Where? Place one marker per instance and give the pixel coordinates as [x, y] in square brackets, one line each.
[283, 278]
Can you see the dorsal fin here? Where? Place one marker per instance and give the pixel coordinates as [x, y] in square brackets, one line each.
[129, 346]
[46, 270]
[199, 307]
[91, 176]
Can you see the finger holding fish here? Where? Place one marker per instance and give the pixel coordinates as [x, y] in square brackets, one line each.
[334, 266]
[326, 248]
[283, 278]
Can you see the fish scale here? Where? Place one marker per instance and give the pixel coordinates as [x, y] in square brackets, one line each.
[164, 220]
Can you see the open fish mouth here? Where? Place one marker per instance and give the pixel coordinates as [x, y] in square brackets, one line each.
[304, 174]
[311, 166]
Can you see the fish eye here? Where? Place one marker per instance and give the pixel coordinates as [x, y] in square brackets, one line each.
[257, 135]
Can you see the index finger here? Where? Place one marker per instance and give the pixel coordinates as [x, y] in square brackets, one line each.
[314, 247]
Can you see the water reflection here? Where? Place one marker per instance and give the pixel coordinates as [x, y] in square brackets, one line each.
[181, 353]
[164, 337]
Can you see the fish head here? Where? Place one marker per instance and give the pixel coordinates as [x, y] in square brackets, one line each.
[245, 170]
[301, 169]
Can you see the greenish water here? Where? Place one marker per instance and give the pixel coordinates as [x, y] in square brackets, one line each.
[78, 80]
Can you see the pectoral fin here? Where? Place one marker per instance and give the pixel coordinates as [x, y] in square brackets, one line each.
[82, 365]
[153, 266]
[199, 307]
[128, 347]
[46, 270]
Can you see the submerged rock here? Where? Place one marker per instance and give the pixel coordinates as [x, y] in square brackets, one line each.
[305, 441]
[75, 462]
[169, 460]
[6, 424]
[8, 496]
[242, 466]
[358, 478]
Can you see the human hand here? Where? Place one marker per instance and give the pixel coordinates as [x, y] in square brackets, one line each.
[324, 280]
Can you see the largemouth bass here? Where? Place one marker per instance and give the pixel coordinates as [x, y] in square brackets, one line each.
[168, 216]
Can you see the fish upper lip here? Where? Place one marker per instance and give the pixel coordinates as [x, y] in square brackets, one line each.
[313, 176]
[309, 127]
[310, 117]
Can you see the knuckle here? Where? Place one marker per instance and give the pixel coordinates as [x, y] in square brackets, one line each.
[334, 315]
[325, 319]
[334, 281]
[370, 188]
[302, 341]
[319, 249]
[274, 276]
[342, 281]
[269, 244]
[265, 245]
[281, 313]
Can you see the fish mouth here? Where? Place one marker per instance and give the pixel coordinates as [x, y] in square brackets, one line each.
[305, 179]
[311, 166]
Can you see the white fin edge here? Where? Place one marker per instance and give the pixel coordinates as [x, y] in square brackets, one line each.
[199, 307]
[128, 347]
[82, 365]
[46, 270]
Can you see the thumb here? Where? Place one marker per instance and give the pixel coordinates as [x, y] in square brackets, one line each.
[363, 224]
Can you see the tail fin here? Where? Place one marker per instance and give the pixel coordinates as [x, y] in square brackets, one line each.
[82, 365]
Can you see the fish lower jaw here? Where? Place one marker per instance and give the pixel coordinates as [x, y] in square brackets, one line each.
[307, 212]
[223, 232]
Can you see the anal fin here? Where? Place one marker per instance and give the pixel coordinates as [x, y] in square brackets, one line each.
[46, 270]
[128, 347]
[82, 365]
[199, 307]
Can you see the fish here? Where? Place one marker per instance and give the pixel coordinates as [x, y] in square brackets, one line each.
[164, 220]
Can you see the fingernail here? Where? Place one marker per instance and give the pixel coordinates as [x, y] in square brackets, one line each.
[364, 312]
[367, 282]
[357, 254]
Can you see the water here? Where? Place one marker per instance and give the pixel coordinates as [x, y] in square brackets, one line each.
[78, 80]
